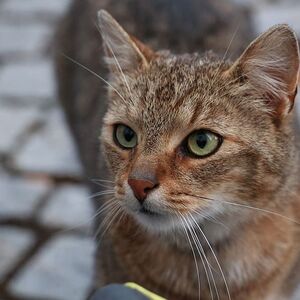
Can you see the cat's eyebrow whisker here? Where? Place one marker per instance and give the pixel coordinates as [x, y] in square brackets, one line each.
[115, 58]
[230, 42]
[95, 74]
[262, 210]
[181, 217]
[225, 54]
[213, 253]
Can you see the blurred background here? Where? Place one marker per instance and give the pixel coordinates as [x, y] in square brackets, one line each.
[46, 245]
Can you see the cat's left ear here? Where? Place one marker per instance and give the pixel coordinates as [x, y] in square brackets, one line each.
[271, 65]
[122, 51]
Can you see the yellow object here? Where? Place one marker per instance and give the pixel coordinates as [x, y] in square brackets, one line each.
[143, 291]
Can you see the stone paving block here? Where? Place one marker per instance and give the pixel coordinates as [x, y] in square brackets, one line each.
[19, 197]
[29, 8]
[14, 122]
[62, 270]
[28, 80]
[23, 39]
[70, 207]
[296, 295]
[50, 150]
[13, 243]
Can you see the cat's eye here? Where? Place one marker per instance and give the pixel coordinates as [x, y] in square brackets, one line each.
[125, 137]
[202, 143]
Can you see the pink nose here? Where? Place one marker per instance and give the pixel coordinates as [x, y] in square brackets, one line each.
[141, 188]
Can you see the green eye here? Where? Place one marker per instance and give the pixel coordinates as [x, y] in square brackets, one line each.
[203, 143]
[125, 136]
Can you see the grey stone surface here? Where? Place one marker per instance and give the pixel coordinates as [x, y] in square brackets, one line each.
[13, 243]
[297, 106]
[296, 295]
[51, 150]
[70, 207]
[33, 7]
[23, 40]
[14, 122]
[62, 270]
[268, 14]
[27, 80]
[19, 197]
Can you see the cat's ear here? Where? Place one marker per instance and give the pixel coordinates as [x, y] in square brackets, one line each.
[122, 51]
[271, 65]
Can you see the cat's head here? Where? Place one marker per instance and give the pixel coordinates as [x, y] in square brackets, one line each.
[190, 135]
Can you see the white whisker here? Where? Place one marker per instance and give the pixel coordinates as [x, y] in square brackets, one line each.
[214, 255]
[262, 210]
[95, 74]
[194, 255]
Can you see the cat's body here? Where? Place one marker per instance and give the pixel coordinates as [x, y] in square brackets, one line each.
[223, 224]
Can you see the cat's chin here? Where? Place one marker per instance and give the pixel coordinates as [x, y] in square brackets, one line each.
[155, 221]
[158, 222]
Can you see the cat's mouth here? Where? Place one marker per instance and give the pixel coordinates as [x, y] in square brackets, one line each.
[146, 211]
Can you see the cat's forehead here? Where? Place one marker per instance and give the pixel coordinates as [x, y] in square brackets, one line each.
[173, 88]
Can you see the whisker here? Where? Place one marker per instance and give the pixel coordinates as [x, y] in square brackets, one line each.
[208, 264]
[103, 193]
[89, 220]
[262, 210]
[116, 60]
[209, 218]
[201, 252]
[106, 219]
[113, 218]
[214, 255]
[194, 255]
[95, 74]
[105, 184]
[102, 180]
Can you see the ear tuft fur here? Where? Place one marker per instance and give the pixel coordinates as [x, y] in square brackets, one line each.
[122, 52]
[271, 65]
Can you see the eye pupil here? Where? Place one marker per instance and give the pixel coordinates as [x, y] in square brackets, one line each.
[201, 140]
[128, 134]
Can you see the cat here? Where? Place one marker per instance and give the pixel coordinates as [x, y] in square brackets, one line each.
[205, 166]
[204, 160]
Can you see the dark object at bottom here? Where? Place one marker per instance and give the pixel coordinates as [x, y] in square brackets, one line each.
[117, 292]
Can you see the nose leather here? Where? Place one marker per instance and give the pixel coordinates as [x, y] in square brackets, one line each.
[141, 188]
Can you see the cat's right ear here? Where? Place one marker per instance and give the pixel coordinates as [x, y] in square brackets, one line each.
[123, 53]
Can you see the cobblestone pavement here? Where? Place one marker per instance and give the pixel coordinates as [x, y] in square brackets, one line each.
[46, 252]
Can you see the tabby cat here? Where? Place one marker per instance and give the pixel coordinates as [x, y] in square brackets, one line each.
[166, 109]
[205, 166]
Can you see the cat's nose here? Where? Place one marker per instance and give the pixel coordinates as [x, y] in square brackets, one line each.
[141, 188]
